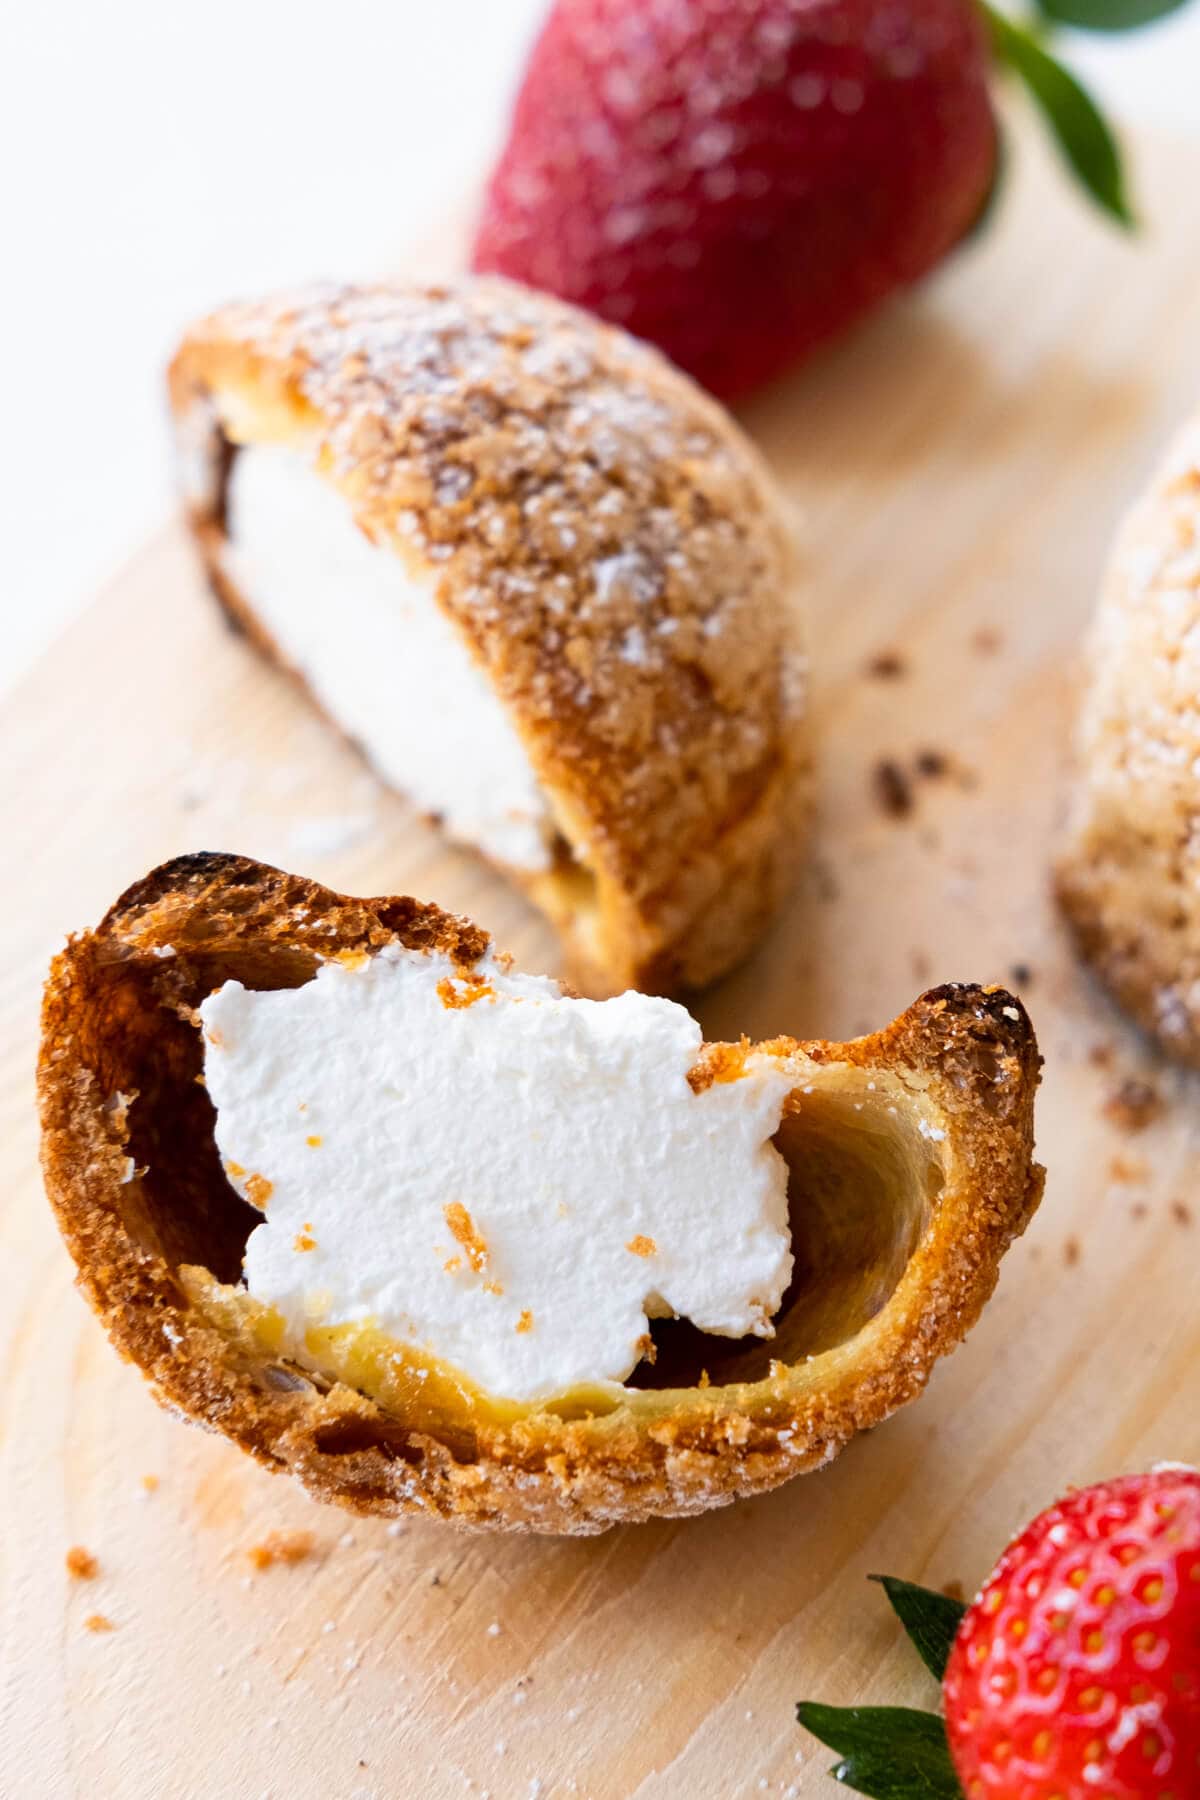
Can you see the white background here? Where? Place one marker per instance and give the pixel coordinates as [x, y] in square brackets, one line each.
[159, 156]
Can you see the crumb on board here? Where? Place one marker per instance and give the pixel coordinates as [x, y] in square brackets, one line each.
[1128, 1169]
[922, 967]
[1133, 1104]
[887, 665]
[893, 790]
[150, 1483]
[1071, 1252]
[825, 882]
[1138, 1210]
[81, 1563]
[98, 1622]
[933, 764]
[954, 1590]
[282, 1547]
[1181, 1212]
[1100, 1055]
[1021, 974]
[986, 641]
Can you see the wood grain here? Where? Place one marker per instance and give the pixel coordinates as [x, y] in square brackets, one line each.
[958, 468]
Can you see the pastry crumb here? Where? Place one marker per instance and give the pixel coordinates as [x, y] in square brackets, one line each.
[98, 1622]
[282, 1547]
[81, 1563]
[259, 1191]
[642, 1246]
[893, 790]
[474, 987]
[887, 665]
[954, 1590]
[464, 1231]
[1021, 974]
[1128, 1169]
[986, 641]
[150, 1483]
[1071, 1252]
[304, 1240]
[525, 1322]
[1133, 1105]
[719, 1064]
[646, 1348]
[315, 1141]
[1181, 1212]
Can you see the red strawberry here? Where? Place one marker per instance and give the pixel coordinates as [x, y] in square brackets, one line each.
[1076, 1673]
[739, 179]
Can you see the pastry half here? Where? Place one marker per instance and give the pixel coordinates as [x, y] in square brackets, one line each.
[1129, 870]
[831, 1216]
[542, 581]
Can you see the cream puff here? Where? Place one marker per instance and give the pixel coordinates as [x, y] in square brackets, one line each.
[437, 1237]
[540, 578]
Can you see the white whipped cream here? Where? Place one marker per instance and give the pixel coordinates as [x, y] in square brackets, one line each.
[380, 655]
[511, 1185]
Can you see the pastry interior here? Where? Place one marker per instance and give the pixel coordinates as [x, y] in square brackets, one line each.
[865, 1170]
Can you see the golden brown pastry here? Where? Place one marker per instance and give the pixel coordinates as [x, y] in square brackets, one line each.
[1129, 871]
[905, 1163]
[538, 576]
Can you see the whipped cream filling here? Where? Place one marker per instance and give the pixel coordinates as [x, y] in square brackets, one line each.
[500, 1176]
[379, 654]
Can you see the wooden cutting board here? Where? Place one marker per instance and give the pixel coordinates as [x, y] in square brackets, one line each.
[959, 467]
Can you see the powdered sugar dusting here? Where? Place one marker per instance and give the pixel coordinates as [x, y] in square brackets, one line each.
[605, 537]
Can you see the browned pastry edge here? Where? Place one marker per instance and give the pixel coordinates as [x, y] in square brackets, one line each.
[1128, 864]
[682, 775]
[969, 1051]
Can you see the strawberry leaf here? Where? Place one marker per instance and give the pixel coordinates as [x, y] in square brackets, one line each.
[1082, 134]
[1107, 15]
[888, 1752]
[931, 1620]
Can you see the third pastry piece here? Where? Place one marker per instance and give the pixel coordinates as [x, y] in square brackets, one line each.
[1129, 874]
[542, 581]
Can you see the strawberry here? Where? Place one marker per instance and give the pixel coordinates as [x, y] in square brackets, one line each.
[1076, 1673]
[737, 182]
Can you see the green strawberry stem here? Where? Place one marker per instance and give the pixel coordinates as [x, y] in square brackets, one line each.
[893, 1752]
[931, 1620]
[1083, 135]
[889, 1752]
[1107, 15]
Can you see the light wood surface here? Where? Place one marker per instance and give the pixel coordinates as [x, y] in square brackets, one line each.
[959, 467]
